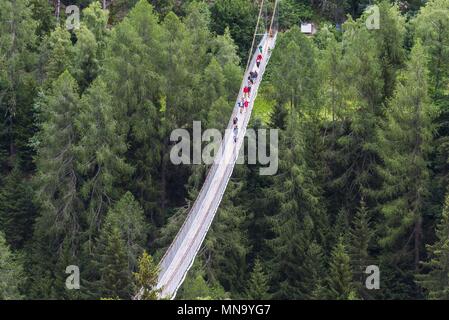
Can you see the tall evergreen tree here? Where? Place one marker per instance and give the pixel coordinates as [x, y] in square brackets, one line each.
[11, 272]
[131, 72]
[359, 244]
[339, 281]
[101, 154]
[432, 29]
[127, 216]
[86, 62]
[390, 39]
[146, 277]
[58, 225]
[115, 278]
[119, 245]
[258, 284]
[57, 176]
[404, 144]
[56, 56]
[240, 17]
[436, 281]
[17, 83]
[355, 101]
[17, 211]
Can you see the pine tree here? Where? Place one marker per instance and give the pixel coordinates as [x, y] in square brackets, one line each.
[17, 211]
[17, 83]
[390, 39]
[58, 225]
[240, 17]
[432, 29]
[339, 282]
[56, 56]
[298, 216]
[118, 247]
[57, 175]
[359, 245]
[404, 146]
[115, 278]
[11, 272]
[195, 286]
[96, 20]
[146, 277]
[355, 159]
[101, 154]
[44, 16]
[127, 217]
[436, 281]
[132, 61]
[86, 63]
[257, 288]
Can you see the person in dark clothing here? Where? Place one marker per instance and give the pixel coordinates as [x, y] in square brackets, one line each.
[241, 104]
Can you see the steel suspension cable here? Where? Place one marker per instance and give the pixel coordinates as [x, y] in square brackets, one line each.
[272, 17]
[254, 36]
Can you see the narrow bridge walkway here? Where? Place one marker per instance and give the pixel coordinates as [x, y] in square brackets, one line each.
[182, 252]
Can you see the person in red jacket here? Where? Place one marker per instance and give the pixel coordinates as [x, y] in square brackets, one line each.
[246, 92]
[246, 104]
[258, 60]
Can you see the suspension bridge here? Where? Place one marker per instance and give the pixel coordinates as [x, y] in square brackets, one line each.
[181, 254]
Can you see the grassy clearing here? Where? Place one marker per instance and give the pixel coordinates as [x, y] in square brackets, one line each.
[264, 103]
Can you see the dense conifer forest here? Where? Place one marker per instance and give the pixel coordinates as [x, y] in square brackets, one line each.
[86, 177]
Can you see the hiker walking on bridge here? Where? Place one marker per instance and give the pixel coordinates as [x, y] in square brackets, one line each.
[258, 60]
[246, 90]
[236, 131]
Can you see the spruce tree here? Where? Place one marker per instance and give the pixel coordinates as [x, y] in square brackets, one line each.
[359, 244]
[96, 20]
[17, 211]
[299, 216]
[56, 56]
[390, 38]
[339, 281]
[120, 243]
[57, 175]
[11, 272]
[436, 281]
[57, 198]
[86, 62]
[44, 16]
[115, 277]
[432, 29]
[100, 153]
[404, 144]
[17, 82]
[240, 17]
[258, 284]
[355, 157]
[146, 277]
[131, 72]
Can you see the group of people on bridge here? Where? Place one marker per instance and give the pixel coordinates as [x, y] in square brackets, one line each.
[244, 101]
